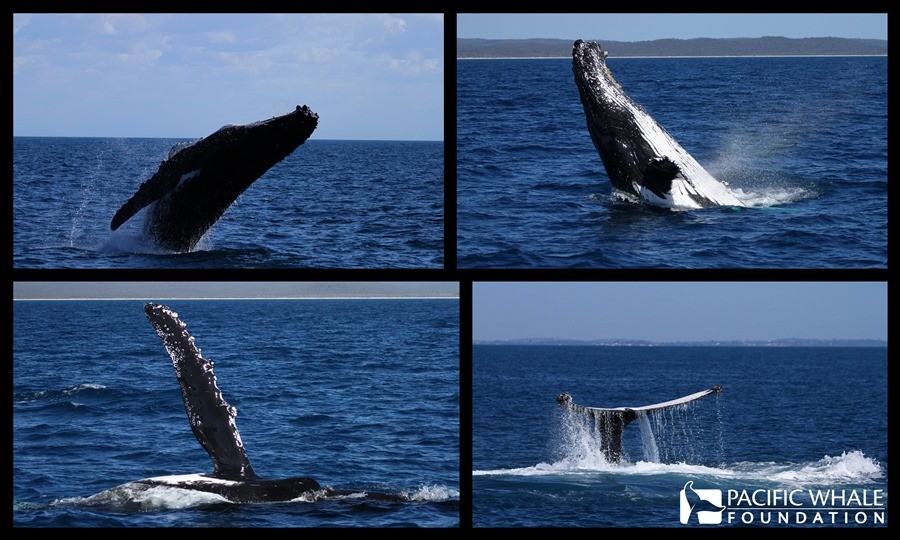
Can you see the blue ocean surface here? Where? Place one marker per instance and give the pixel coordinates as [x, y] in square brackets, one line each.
[787, 418]
[330, 204]
[358, 394]
[803, 141]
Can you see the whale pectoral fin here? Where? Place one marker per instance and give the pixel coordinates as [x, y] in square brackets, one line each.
[210, 416]
[659, 174]
[130, 208]
[150, 191]
[164, 180]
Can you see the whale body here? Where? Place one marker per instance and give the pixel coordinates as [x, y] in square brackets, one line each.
[639, 155]
[198, 181]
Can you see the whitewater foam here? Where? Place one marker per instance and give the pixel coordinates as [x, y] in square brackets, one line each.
[129, 242]
[761, 197]
[85, 386]
[144, 498]
[773, 196]
[850, 467]
[433, 493]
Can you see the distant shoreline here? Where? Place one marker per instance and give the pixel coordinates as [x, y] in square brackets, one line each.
[787, 343]
[708, 56]
[762, 47]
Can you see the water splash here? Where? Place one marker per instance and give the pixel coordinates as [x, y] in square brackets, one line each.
[137, 239]
[851, 467]
[676, 441]
[579, 442]
[130, 242]
[690, 433]
[648, 441]
[680, 434]
[773, 196]
[433, 493]
[743, 164]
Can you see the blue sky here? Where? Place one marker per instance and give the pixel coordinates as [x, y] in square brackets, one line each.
[679, 311]
[186, 75]
[640, 27]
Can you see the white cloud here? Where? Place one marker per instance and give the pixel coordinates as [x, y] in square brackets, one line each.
[224, 36]
[394, 25]
[145, 57]
[19, 21]
[433, 17]
[415, 63]
[105, 26]
[128, 24]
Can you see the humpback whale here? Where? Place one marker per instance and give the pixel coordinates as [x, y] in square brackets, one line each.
[639, 155]
[198, 182]
[212, 421]
[611, 422]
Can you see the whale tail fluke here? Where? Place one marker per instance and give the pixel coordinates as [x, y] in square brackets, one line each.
[610, 422]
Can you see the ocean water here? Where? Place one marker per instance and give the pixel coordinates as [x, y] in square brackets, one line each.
[802, 140]
[358, 394]
[787, 418]
[330, 204]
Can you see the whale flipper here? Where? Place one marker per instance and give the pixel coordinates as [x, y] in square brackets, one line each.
[659, 174]
[210, 417]
[212, 421]
[160, 184]
[610, 422]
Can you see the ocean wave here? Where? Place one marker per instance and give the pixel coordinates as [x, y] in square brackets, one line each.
[75, 390]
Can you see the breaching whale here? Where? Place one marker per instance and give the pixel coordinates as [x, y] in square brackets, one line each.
[639, 155]
[212, 421]
[611, 422]
[199, 181]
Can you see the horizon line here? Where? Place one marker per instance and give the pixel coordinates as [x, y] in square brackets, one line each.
[243, 298]
[196, 138]
[616, 342]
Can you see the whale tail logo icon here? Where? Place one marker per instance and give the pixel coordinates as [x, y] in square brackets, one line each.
[706, 503]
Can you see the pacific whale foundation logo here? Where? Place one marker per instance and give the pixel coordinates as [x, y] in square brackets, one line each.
[794, 506]
[706, 503]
